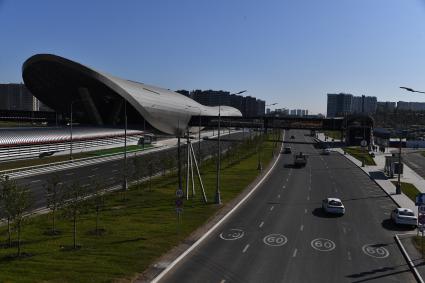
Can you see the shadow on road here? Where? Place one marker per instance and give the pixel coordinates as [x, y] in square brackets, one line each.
[319, 212]
[389, 225]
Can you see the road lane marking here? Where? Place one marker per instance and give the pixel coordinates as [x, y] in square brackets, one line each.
[349, 255]
[35, 181]
[115, 170]
[294, 254]
[308, 197]
[205, 235]
[275, 240]
[344, 230]
[95, 168]
[232, 234]
[91, 176]
[272, 207]
[246, 247]
[261, 224]
[305, 210]
[323, 245]
[223, 281]
[283, 186]
[278, 196]
[302, 228]
[376, 251]
[69, 174]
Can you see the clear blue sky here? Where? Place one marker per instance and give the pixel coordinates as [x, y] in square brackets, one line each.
[290, 52]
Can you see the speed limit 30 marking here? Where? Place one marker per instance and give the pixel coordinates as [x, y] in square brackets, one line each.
[275, 240]
[323, 245]
[376, 251]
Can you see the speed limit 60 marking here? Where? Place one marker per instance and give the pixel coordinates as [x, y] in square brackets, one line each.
[323, 245]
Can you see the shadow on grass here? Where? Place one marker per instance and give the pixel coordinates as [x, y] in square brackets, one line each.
[388, 224]
[13, 257]
[319, 212]
[128, 241]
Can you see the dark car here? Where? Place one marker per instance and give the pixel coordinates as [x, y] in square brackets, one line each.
[292, 137]
[287, 150]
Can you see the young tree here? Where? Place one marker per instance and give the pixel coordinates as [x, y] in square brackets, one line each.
[7, 204]
[74, 205]
[54, 198]
[99, 202]
[21, 203]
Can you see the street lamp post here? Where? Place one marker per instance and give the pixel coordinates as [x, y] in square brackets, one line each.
[125, 181]
[217, 188]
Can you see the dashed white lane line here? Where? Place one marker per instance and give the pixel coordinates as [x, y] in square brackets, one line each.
[223, 281]
[35, 181]
[278, 196]
[69, 174]
[308, 197]
[91, 176]
[272, 207]
[302, 228]
[344, 230]
[115, 170]
[294, 254]
[261, 224]
[305, 210]
[283, 186]
[246, 248]
[349, 255]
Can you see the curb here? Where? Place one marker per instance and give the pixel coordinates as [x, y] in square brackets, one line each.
[389, 195]
[409, 261]
[212, 229]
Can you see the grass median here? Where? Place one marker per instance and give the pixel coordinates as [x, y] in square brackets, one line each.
[360, 155]
[135, 232]
[333, 134]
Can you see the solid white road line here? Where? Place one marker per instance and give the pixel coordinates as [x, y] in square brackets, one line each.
[261, 224]
[295, 253]
[200, 240]
[246, 247]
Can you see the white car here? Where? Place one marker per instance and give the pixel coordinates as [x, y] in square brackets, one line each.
[333, 205]
[404, 216]
[326, 151]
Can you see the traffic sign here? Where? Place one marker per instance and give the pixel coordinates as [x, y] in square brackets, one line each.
[179, 202]
[420, 199]
[179, 193]
[363, 143]
[421, 219]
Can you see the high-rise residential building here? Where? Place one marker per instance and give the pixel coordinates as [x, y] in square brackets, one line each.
[339, 104]
[364, 104]
[261, 106]
[385, 106]
[412, 106]
[17, 97]
[293, 112]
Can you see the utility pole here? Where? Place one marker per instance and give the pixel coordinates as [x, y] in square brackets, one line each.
[125, 182]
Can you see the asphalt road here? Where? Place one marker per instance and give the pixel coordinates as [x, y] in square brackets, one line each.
[281, 235]
[109, 173]
[415, 161]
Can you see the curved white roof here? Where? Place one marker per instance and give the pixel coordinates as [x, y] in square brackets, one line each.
[166, 110]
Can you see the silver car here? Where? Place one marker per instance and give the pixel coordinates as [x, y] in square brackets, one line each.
[404, 216]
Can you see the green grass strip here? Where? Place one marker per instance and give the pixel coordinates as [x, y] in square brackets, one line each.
[408, 189]
[136, 231]
[360, 155]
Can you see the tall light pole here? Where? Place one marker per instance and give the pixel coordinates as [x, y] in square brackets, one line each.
[217, 188]
[125, 181]
[71, 137]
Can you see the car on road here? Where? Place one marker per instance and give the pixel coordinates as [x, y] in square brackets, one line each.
[300, 160]
[333, 205]
[404, 216]
[292, 137]
[287, 149]
[326, 151]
